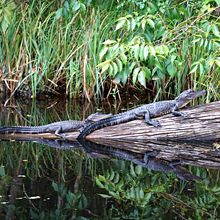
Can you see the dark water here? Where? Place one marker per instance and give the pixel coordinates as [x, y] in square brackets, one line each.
[69, 180]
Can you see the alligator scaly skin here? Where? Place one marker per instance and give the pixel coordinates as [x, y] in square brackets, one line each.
[146, 111]
[57, 127]
[62, 126]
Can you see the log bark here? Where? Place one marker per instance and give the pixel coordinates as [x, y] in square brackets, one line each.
[201, 124]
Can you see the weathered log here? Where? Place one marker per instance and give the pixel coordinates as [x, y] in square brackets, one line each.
[201, 124]
[202, 154]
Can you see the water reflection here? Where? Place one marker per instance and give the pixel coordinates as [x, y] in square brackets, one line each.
[74, 194]
[56, 179]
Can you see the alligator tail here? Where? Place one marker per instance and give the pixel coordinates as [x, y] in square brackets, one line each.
[114, 120]
[22, 129]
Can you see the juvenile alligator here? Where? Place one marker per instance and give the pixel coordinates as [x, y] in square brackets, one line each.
[58, 128]
[147, 112]
[148, 160]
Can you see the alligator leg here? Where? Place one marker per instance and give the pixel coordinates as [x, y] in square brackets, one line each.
[177, 113]
[147, 119]
[147, 155]
[59, 133]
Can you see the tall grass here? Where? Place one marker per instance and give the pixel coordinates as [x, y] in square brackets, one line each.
[56, 46]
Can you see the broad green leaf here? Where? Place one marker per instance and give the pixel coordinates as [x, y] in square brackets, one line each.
[132, 172]
[110, 70]
[217, 61]
[165, 49]
[152, 51]
[142, 79]
[108, 42]
[103, 52]
[141, 193]
[128, 25]
[105, 66]
[119, 64]
[115, 68]
[215, 30]
[59, 13]
[201, 68]
[116, 179]
[138, 169]
[146, 52]
[141, 53]
[124, 76]
[123, 58]
[133, 24]
[143, 24]
[147, 197]
[147, 72]
[99, 184]
[172, 70]
[2, 171]
[194, 69]
[135, 74]
[117, 79]
[136, 49]
[120, 23]
[150, 22]
[112, 175]
[131, 67]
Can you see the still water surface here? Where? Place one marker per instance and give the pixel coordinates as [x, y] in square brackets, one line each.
[65, 180]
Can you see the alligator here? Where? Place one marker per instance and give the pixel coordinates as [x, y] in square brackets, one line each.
[148, 160]
[146, 111]
[58, 128]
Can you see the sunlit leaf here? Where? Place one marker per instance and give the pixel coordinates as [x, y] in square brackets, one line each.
[133, 24]
[108, 42]
[215, 30]
[147, 72]
[110, 70]
[115, 68]
[59, 13]
[120, 23]
[141, 53]
[135, 74]
[119, 64]
[201, 68]
[146, 52]
[142, 79]
[152, 51]
[103, 52]
[105, 196]
[99, 184]
[150, 22]
[123, 58]
[124, 77]
[194, 69]
[136, 49]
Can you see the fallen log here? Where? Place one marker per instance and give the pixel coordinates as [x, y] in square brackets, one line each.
[201, 124]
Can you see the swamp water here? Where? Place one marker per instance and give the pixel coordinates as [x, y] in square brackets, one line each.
[55, 179]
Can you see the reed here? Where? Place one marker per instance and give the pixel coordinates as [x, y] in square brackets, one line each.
[94, 48]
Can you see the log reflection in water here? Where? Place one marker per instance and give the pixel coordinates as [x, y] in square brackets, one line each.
[159, 156]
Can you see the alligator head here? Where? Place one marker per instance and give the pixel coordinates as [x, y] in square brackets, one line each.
[185, 97]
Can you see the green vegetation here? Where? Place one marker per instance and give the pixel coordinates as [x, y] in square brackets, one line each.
[71, 185]
[96, 47]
